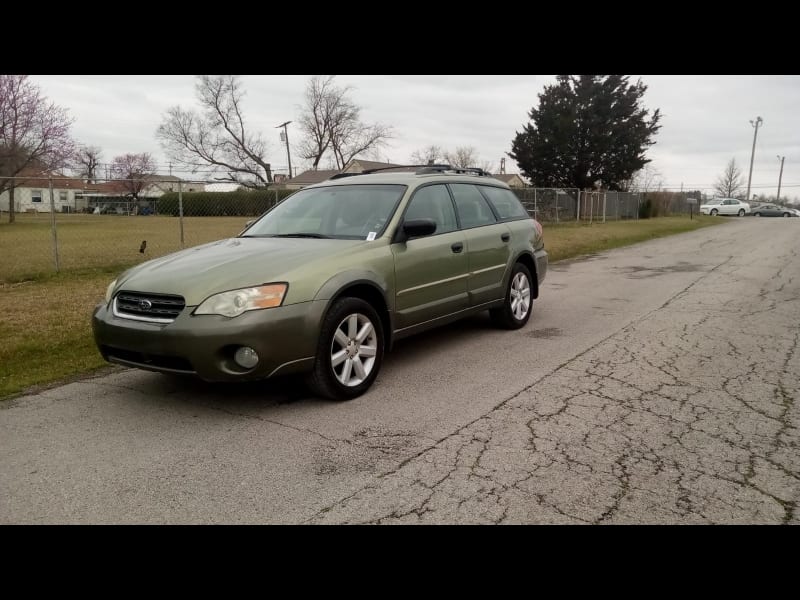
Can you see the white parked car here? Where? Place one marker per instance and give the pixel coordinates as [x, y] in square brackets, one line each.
[725, 206]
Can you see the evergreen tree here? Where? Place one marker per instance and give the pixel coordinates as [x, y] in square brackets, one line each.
[587, 128]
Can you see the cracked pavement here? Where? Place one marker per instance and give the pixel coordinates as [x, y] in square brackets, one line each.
[654, 384]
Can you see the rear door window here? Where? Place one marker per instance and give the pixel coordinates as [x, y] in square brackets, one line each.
[505, 202]
[473, 210]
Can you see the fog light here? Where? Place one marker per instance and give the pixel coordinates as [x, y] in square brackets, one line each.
[246, 357]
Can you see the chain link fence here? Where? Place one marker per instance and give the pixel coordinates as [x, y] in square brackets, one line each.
[551, 205]
[66, 224]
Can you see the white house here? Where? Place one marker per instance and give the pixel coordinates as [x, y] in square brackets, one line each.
[32, 193]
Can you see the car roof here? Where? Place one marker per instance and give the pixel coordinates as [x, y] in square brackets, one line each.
[411, 179]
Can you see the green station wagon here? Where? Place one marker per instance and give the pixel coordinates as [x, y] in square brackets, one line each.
[327, 280]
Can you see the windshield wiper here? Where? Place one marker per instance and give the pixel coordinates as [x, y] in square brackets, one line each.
[302, 235]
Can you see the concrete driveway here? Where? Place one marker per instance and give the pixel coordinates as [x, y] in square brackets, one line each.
[654, 384]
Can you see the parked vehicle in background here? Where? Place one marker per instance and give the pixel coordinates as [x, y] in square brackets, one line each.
[328, 279]
[725, 206]
[773, 210]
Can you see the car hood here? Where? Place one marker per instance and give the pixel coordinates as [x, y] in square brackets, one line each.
[199, 272]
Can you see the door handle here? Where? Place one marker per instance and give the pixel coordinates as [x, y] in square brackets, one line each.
[505, 237]
[457, 247]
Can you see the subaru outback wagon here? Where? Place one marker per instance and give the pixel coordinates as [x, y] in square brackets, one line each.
[327, 280]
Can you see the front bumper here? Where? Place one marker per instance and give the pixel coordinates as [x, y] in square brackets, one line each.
[285, 339]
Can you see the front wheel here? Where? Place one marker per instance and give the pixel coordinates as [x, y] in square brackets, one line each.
[517, 305]
[714, 212]
[349, 352]
[786, 214]
[758, 214]
[741, 212]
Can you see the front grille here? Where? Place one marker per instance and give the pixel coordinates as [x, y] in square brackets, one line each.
[162, 308]
[151, 361]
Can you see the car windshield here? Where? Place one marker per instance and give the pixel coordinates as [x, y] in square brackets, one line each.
[339, 211]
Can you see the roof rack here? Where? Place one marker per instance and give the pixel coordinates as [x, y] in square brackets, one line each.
[421, 170]
[442, 168]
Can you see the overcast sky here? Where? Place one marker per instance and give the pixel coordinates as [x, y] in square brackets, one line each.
[705, 122]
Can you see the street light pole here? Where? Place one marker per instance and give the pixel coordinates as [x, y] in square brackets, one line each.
[778, 198]
[755, 124]
[288, 154]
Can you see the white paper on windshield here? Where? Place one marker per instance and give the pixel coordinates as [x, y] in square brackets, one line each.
[370, 236]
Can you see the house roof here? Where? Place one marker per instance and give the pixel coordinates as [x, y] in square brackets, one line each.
[371, 164]
[311, 176]
[106, 187]
[161, 178]
[222, 186]
[37, 178]
[506, 177]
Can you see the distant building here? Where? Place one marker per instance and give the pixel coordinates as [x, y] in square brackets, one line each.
[512, 179]
[309, 177]
[32, 192]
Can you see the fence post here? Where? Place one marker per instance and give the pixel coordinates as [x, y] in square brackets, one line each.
[605, 196]
[53, 224]
[180, 208]
[578, 209]
[557, 195]
[535, 207]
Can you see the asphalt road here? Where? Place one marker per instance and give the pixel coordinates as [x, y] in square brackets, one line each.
[654, 384]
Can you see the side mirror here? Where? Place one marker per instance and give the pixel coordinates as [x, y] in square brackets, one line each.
[418, 228]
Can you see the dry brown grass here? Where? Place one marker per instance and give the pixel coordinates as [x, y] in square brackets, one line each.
[90, 241]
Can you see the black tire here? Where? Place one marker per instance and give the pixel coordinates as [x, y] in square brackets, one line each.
[504, 316]
[786, 214]
[323, 379]
[714, 212]
[741, 212]
[757, 215]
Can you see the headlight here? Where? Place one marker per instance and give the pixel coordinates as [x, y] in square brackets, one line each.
[110, 290]
[235, 302]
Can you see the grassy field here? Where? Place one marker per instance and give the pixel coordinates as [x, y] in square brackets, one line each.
[45, 329]
[88, 241]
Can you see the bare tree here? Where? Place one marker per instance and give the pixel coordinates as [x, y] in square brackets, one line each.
[731, 182]
[321, 97]
[331, 121]
[34, 133]
[429, 155]
[85, 160]
[463, 157]
[216, 136]
[646, 179]
[134, 171]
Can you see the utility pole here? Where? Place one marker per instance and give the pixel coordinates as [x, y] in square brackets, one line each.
[755, 124]
[778, 198]
[285, 137]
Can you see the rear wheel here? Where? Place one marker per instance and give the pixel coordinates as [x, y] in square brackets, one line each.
[741, 212]
[516, 309]
[757, 214]
[349, 352]
[786, 214]
[714, 212]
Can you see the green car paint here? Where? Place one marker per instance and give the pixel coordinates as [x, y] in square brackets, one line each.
[357, 249]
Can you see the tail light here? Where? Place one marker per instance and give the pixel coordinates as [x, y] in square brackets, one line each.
[539, 231]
